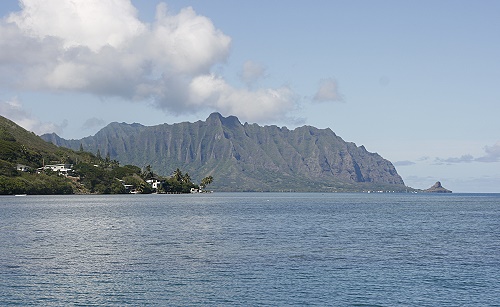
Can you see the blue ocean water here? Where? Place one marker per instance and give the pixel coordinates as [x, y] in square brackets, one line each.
[248, 249]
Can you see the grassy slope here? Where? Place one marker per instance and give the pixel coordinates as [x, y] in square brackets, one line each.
[19, 146]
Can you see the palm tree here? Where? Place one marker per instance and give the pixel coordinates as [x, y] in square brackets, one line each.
[206, 181]
[177, 175]
[186, 178]
[148, 173]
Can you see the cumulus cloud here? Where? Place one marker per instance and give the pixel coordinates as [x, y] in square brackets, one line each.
[252, 72]
[79, 23]
[13, 110]
[101, 47]
[328, 91]
[261, 105]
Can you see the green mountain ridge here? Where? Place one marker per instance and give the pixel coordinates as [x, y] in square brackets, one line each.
[245, 157]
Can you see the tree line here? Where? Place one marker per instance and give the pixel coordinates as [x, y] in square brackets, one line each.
[92, 174]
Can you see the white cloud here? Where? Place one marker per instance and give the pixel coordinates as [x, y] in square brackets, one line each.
[90, 23]
[13, 110]
[100, 47]
[186, 42]
[260, 105]
[328, 91]
[252, 72]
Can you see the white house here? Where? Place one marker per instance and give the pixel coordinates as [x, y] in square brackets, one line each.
[193, 190]
[63, 169]
[22, 168]
[155, 183]
[129, 188]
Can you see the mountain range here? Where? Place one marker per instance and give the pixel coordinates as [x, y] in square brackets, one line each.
[245, 157]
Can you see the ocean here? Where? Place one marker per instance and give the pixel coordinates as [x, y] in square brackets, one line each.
[250, 249]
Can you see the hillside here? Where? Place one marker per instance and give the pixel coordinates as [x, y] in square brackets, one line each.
[245, 157]
[19, 146]
[30, 165]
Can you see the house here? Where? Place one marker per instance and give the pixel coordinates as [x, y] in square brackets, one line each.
[62, 169]
[155, 183]
[194, 190]
[23, 168]
[129, 188]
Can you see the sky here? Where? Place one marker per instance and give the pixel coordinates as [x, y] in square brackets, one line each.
[417, 82]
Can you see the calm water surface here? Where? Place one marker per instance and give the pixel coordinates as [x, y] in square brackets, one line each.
[251, 249]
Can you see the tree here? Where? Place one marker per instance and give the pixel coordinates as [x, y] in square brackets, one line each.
[98, 155]
[118, 188]
[186, 178]
[178, 175]
[96, 179]
[206, 181]
[114, 164]
[81, 147]
[148, 173]
[138, 184]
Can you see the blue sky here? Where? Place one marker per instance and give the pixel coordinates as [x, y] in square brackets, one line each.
[416, 81]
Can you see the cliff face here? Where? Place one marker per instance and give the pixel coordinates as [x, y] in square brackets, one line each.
[245, 157]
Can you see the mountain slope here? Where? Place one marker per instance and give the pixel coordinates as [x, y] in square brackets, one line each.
[21, 149]
[26, 167]
[245, 157]
[19, 146]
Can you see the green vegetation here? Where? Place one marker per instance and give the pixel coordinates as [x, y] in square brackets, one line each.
[25, 162]
[206, 181]
[34, 184]
[178, 183]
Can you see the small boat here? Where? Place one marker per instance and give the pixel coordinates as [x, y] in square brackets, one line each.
[20, 195]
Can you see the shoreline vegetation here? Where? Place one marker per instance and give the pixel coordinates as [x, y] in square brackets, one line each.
[105, 177]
